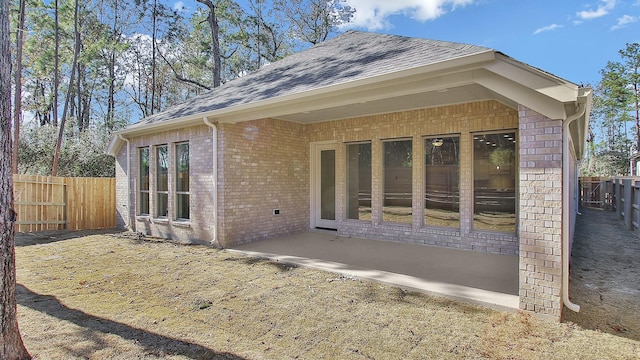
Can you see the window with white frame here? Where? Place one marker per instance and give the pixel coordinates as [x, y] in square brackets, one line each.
[182, 180]
[162, 181]
[143, 181]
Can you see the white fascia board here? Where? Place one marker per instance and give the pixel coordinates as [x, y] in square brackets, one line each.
[269, 107]
[114, 145]
[537, 101]
[531, 77]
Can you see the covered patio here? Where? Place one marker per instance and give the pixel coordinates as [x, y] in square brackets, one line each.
[470, 276]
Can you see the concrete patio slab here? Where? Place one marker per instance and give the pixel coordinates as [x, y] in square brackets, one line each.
[480, 278]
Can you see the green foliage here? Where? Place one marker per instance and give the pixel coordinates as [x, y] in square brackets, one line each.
[82, 155]
[139, 58]
[614, 117]
[605, 163]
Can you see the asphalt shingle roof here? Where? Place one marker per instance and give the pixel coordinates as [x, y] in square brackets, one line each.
[349, 57]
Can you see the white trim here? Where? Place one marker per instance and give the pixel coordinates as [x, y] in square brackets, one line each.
[129, 222]
[214, 166]
[314, 186]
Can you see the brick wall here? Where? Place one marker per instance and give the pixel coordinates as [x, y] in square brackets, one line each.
[462, 119]
[200, 228]
[540, 217]
[264, 166]
[122, 190]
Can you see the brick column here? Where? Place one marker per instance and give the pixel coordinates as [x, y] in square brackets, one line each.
[540, 213]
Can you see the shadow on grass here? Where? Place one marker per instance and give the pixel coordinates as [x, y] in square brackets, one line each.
[153, 343]
[51, 236]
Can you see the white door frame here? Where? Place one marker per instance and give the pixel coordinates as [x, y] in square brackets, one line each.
[314, 184]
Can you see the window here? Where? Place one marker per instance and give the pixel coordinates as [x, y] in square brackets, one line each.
[143, 189]
[182, 181]
[162, 180]
[442, 182]
[398, 167]
[494, 182]
[359, 181]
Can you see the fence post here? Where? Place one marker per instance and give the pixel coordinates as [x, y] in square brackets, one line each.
[618, 202]
[603, 192]
[628, 204]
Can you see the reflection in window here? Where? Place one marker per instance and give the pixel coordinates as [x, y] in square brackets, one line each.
[359, 181]
[328, 184]
[398, 177]
[494, 180]
[182, 181]
[143, 190]
[162, 180]
[442, 182]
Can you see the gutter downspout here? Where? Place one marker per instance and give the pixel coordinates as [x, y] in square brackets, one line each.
[566, 219]
[128, 181]
[214, 165]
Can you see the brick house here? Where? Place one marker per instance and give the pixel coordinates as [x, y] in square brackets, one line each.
[375, 136]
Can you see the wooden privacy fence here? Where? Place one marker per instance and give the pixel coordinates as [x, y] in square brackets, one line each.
[621, 195]
[56, 203]
[596, 192]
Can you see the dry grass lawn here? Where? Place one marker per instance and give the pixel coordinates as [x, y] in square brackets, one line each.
[109, 297]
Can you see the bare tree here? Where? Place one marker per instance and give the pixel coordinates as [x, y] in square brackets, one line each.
[212, 20]
[313, 21]
[11, 345]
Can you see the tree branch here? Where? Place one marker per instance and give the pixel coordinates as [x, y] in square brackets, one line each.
[180, 77]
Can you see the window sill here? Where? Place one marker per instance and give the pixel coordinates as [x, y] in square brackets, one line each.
[145, 218]
[182, 223]
[161, 220]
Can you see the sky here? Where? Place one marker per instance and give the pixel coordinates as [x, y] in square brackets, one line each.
[572, 39]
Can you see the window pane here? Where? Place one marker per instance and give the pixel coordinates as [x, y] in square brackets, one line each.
[162, 200]
[144, 169]
[442, 182]
[144, 203]
[162, 181]
[182, 206]
[162, 168]
[494, 172]
[398, 181]
[328, 184]
[359, 181]
[143, 198]
[182, 167]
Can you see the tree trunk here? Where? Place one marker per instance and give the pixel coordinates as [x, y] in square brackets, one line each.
[17, 111]
[76, 53]
[153, 57]
[11, 345]
[110, 120]
[212, 19]
[56, 66]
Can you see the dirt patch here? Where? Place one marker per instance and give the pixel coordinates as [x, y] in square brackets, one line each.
[108, 297]
[605, 275]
